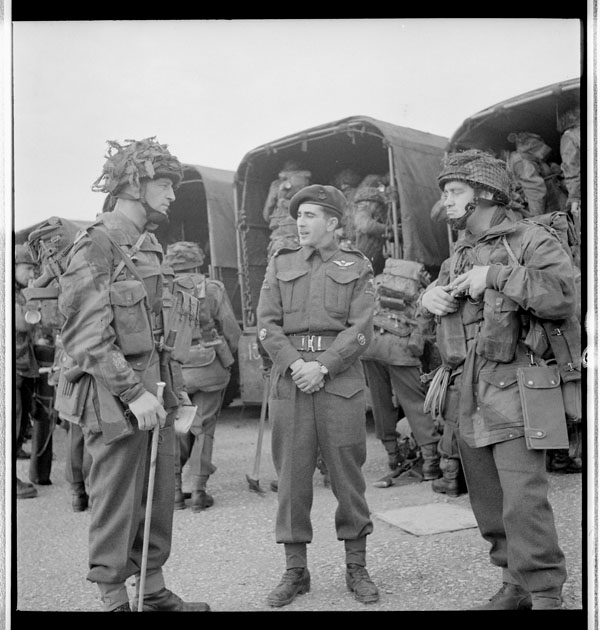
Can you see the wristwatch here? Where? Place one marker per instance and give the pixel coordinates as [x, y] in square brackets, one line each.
[322, 369]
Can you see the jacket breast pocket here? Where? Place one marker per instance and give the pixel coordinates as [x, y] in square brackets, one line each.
[501, 327]
[338, 289]
[293, 287]
[130, 317]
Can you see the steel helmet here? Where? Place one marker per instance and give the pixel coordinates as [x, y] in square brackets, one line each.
[135, 161]
[479, 170]
[184, 255]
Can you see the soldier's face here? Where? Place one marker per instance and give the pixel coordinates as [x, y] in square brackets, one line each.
[24, 272]
[159, 194]
[455, 198]
[315, 228]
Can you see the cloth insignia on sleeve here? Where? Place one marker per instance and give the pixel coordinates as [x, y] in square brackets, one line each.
[370, 288]
[344, 263]
[262, 334]
[361, 339]
[118, 360]
[265, 284]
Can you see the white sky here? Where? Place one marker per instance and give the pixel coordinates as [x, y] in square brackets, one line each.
[214, 90]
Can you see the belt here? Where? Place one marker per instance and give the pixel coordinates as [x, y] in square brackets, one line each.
[312, 343]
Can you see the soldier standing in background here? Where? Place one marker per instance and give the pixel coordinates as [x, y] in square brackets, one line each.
[206, 373]
[111, 298]
[393, 364]
[315, 319]
[26, 366]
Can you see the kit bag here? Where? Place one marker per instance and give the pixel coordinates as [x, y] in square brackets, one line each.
[203, 371]
[543, 408]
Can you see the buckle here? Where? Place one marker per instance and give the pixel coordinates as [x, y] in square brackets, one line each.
[310, 343]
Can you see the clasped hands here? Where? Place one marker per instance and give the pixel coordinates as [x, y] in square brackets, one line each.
[307, 376]
[442, 300]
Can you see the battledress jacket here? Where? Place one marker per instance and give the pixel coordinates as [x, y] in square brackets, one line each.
[483, 398]
[87, 296]
[320, 292]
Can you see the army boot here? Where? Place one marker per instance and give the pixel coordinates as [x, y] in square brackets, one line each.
[359, 582]
[165, 600]
[179, 496]
[25, 490]
[201, 500]
[450, 483]
[79, 497]
[509, 597]
[546, 600]
[295, 581]
[431, 461]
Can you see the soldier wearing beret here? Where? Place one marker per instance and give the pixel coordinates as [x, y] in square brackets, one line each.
[315, 319]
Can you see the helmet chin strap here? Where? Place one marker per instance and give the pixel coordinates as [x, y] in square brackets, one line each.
[461, 222]
[154, 218]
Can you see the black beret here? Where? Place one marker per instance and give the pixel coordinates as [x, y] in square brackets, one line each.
[327, 196]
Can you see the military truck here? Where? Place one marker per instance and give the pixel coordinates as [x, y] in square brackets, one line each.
[410, 159]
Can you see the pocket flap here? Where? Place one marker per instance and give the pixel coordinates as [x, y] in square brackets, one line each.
[344, 387]
[187, 284]
[199, 356]
[291, 274]
[499, 302]
[536, 433]
[540, 377]
[499, 378]
[127, 292]
[342, 276]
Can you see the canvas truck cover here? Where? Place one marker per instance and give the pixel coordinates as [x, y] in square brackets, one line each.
[536, 111]
[365, 145]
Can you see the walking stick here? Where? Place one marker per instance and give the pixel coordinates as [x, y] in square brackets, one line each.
[151, 475]
[253, 481]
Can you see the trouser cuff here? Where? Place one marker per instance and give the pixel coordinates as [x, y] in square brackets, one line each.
[295, 555]
[113, 595]
[356, 551]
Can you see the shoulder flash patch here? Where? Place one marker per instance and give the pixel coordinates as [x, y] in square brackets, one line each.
[350, 249]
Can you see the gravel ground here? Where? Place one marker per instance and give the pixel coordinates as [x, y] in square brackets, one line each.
[227, 555]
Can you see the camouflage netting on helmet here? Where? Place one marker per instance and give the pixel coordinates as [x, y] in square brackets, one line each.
[134, 161]
[478, 169]
[184, 255]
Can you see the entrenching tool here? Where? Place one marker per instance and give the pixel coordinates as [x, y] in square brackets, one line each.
[253, 481]
[153, 454]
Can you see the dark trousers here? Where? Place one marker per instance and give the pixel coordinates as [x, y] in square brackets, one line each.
[118, 492]
[404, 382]
[24, 392]
[78, 458]
[335, 424]
[40, 462]
[508, 490]
[196, 446]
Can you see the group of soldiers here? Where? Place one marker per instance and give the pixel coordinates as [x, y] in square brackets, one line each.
[139, 337]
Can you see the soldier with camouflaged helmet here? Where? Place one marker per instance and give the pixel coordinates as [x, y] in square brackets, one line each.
[315, 319]
[111, 298]
[505, 278]
[206, 373]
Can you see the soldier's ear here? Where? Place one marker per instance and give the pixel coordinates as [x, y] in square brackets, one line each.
[332, 224]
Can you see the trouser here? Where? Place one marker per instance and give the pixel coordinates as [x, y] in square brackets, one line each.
[78, 459]
[508, 490]
[331, 420]
[404, 382]
[40, 462]
[118, 494]
[196, 446]
[448, 444]
[24, 393]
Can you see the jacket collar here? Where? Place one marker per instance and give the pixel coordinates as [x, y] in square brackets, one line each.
[325, 252]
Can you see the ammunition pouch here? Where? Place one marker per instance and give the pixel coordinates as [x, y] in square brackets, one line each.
[180, 314]
[451, 339]
[202, 371]
[501, 328]
[402, 279]
[131, 320]
[564, 338]
[541, 400]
